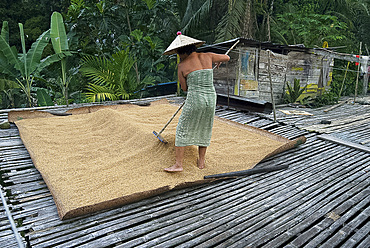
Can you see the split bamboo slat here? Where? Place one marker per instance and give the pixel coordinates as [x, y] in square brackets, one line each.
[321, 200]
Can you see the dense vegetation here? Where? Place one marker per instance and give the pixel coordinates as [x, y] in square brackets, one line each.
[111, 49]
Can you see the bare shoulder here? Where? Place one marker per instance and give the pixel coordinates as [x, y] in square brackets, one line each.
[215, 56]
[205, 54]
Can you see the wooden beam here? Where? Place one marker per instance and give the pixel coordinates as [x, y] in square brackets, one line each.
[344, 142]
[336, 55]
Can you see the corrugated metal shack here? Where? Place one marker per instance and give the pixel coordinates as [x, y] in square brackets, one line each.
[247, 73]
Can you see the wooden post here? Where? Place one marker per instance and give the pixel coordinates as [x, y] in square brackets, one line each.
[272, 91]
[345, 74]
[228, 86]
[358, 72]
[366, 78]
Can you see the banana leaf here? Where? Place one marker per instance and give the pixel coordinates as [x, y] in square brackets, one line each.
[35, 53]
[10, 53]
[43, 98]
[5, 31]
[6, 68]
[49, 60]
[24, 70]
[58, 33]
[6, 84]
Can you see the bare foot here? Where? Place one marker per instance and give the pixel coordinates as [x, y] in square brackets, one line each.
[201, 165]
[174, 168]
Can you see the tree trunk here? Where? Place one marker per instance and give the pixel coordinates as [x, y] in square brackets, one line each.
[268, 21]
[248, 21]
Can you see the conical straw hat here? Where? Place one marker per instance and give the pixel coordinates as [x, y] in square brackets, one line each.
[181, 41]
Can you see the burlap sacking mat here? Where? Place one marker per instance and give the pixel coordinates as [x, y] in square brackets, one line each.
[94, 160]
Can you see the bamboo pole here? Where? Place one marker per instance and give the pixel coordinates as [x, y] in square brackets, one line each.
[272, 91]
[366, 79]
[248, 172]
[228, 86]
[358, 72]
[345, 75]
[11, 220]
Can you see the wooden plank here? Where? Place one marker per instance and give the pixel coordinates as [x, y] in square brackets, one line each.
[345, 143]
[132, 218]
[365, 243]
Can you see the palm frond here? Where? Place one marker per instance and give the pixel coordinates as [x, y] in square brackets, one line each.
[193, 15]
[122, 65]
[98, 93]
[110, 78]
[230, 24]
[5, 31]
[97, 69]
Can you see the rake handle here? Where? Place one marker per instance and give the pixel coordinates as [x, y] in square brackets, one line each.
[169, 121]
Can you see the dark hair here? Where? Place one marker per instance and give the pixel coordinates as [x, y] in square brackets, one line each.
[187, 49]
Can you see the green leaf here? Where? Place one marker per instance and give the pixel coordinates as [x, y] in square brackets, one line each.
[294, 92]
[24, 70]
[98, 93]
[8, 84]
[35, 53]
[48, 61]
[6, 68]
[101, 5]
[43, 98]
[150, 3]
[10, 53]
[5, 31]
[160, 66]
[58, 33]
[110, 78]
[137, 34]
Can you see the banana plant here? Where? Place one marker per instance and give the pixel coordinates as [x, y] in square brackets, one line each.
[25, 67]
[59, 41]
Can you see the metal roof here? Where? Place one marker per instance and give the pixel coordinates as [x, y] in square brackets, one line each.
[264, 45]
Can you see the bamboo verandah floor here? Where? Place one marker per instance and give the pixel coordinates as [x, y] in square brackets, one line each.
[321, 200]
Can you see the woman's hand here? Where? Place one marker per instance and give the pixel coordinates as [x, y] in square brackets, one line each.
[217, 65]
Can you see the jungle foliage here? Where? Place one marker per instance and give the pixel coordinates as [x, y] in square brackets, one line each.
[90, 50]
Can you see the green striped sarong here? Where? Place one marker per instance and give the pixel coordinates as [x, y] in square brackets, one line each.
[196, 120]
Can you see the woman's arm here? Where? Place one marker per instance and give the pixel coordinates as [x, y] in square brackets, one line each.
[182, 79]
[217, 58]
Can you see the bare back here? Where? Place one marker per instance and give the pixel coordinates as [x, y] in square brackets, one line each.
[198, 61]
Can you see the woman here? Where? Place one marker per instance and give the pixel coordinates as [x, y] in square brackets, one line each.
[195, 74]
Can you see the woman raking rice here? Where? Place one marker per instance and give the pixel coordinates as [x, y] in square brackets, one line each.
[195, 74]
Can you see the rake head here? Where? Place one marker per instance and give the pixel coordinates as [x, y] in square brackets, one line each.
[160, 137]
